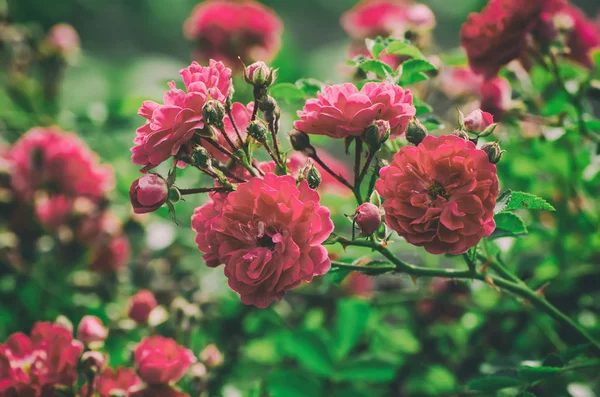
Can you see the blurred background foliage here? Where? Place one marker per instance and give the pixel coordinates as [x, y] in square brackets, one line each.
[423, 340]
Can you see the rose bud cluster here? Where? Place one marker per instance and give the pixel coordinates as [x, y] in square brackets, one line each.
[393, 18]
[440, 194]
[42, 362]
[284, 227]
[227, 30]
[58, 182]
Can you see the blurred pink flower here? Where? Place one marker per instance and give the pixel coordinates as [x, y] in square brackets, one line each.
[268, 233]
[459, 81]
[496, 96]
[342, 110]
[160, 361]
[112, 255]
[64, 39]
[34, 365]
[358, 284]
[141, 305]
[171, 125]
[440, 194]
[53, 211]
[111, 381]
[58, 162]
[226, 29]
[91, 329]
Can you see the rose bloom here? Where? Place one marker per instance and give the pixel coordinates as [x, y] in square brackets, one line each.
[53, 211]
[496, 96]
[171, 125]
[63, 38]
[226, 30]
[478, 121]
[33, 365]
[148, 193]
[498, 34]
[268, 233]
[110, 381]
[342, 111]
[58, 162]
[91, 329]
[160, 361]
[372, 18]
[141, 305]
[583, 35]
[459, 81]
[440, 194]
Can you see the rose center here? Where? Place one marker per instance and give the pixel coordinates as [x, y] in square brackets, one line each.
[265, 242]
[437, 190]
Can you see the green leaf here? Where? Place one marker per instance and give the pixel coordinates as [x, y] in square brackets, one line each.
[502, 201]
[413, 71]
[574, 352]
[310, 86]
[510, 222]
[371, 370]
[525, 394]
[292, 383]
[432, 123]
[337, 275]
[422, 107]
[534, 374]
[372, 65]
[310, 351]
[287, 92]
[400, 47]
[350, 323]
[529, 201]
[375, 46]
[493, 383]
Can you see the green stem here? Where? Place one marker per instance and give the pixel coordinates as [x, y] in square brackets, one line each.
[519, 289]
[357, 169]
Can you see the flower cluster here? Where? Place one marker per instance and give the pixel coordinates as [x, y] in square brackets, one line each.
[56, 178]
[226, 30]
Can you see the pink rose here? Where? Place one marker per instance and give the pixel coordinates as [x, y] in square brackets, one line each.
[53, 211]
[459, 81]
[440, 194]
[141, 305]
[342, 110]
[91, 329]
[367, 218]
[225, 30]
[160, 361]
[58, 162]
[268, 233]
[211, 356]
[172, 125]
[35, 364]
[64, 38]
[496, 96]
[478, 120]
[111, 381]
[148, 193]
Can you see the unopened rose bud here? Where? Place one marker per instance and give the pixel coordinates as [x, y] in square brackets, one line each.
[312, 176]
[62, 321]
[478, 121]
[148, 193]
[268, 105]
[258, 130]
[260, 75]
[91, 330]
[63, 39]
[92, 362]
[376, 134]
[461, 134]
[202, 158]
[300, 140]
[211, 356]
[493, 151]
[197, 371]
[213, 112]
[140, 306]
[416, 132]
[368, 218]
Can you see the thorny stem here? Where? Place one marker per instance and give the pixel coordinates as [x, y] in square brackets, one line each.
[357, 169]
[227, 138]
[204, 190]
[338, 177]
[235, 128]
[251, 170]
[517, 288]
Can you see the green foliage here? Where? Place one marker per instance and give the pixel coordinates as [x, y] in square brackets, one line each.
[493, 383]
[510, 222]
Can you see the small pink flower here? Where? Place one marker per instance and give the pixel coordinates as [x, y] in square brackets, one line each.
[111, 381]
[172, 125]
[141, 305]
[371, 18]
[53, 211]
[211, 356]
[112, 255]
[440, 194]
[226, 30]
[64, 39]
[148, 193]
[496, 96]
[268, 233]
[459, 81]
[478, 120]
[58, 162]
[160, 361]
[342, 110]
[368, 218]
[91, 329]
